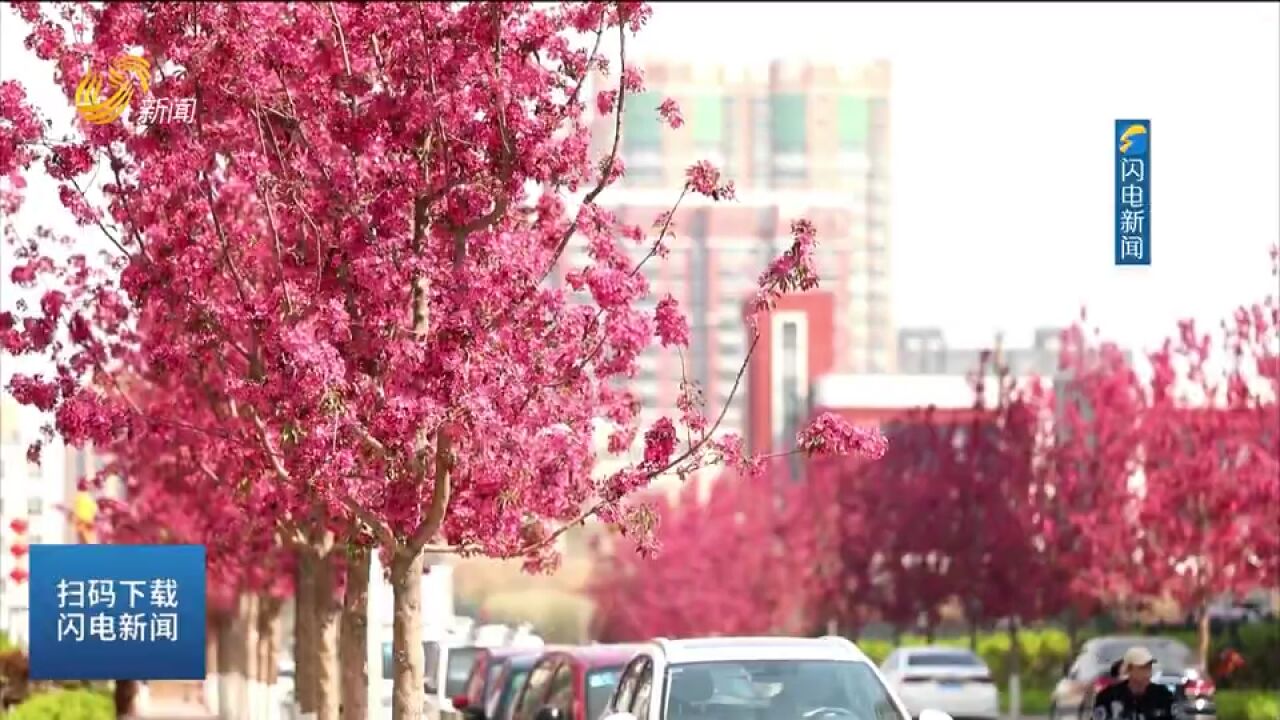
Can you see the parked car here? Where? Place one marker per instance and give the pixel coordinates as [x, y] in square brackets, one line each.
[487, 673]
[775, 678]
[949, 679]
[572, 683]
[1090, 673]
[501, 703]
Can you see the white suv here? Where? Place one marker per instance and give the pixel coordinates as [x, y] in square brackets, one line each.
[771, 678]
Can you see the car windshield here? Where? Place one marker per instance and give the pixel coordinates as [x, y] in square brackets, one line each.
[944, 659]
[430, 652]
[509, 694]
[778, 690]
[459, 670]
[600, 685]
[1171, 656]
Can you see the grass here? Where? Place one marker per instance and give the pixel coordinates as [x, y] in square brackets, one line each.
[1035, 701]
[1237, 704]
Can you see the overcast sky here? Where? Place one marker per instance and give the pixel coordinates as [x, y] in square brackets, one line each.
[1002, 121]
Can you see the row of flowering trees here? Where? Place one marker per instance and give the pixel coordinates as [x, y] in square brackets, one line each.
[312, 323]
[1108, 490]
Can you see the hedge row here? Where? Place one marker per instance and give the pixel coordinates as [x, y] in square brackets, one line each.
[1045, 652]
[66, 705]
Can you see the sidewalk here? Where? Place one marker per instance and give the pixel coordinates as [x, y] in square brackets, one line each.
[176, 700]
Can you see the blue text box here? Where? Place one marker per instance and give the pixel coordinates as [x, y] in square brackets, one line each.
[1133, 192]
[117, 612]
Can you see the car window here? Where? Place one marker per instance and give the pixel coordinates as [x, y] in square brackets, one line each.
[944, 659]
[511, 688]
[458, 671]
[431, 671]
[644, 690]
[535, 689]
[778, 689]
[601, 683]
[626, 688]
[430, 651]
[561, 692]
[1170, 655]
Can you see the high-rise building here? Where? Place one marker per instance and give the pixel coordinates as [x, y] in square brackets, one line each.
[799, 141]
[924, 351]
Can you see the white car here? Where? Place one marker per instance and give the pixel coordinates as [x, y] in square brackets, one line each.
[953, 680]
[774, 677]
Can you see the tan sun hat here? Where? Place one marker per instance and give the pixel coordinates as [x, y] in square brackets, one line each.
[1137, 657]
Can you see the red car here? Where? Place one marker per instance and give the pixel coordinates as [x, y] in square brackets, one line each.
[572, 683]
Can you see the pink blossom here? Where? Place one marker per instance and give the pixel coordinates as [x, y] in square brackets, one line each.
[670, 112]
[605, 101]
[34, 391]
[704, 179]
[829, 434]
[673, 328]
[659, 444]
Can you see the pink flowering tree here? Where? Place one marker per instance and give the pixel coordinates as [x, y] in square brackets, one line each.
[328, 285]
[1210, 491]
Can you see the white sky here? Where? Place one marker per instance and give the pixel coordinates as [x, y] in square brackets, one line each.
[1002, 122]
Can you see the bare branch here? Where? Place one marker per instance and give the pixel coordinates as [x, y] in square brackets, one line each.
[440, 493]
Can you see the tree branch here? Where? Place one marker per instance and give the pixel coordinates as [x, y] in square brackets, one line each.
[440, 493]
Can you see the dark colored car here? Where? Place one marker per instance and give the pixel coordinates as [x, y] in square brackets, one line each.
[490, 669]
[572, 683]
[1092, 670]
[512, 674]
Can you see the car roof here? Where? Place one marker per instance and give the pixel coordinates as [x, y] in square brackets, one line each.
[936, 650]
[759, 648]
[597, 656]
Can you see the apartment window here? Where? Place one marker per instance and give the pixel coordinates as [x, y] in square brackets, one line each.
[642, 138]
[853, 121]
[35, 506]
[760, 153]
[787, 114]
[641, 126]
[728, 109]
[788, 137]
[708, 123]
[791, 386]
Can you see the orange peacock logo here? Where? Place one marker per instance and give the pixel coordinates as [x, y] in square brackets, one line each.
[117, 84]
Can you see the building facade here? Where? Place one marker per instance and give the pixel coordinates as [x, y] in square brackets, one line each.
[924, 351]
[799, 141]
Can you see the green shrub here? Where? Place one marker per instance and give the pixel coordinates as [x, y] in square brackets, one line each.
[1262, 706]
[876, 650]
[1248, 705]
[66, 705]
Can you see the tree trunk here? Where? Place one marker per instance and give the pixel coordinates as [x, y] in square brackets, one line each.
[235, 661]
[324, 658]
[353, 653]
[1073, 633]
[304, 633]
[212, 671]
[406, 636]
[1015, 672]
[973, 635]
[268, 628]
[249, 612]
[1205, 636]
[126, 698]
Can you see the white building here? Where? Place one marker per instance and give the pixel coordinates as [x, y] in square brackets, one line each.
[32, 495]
